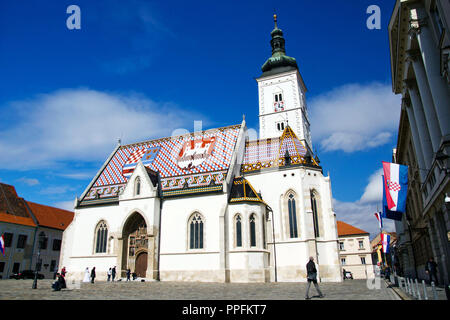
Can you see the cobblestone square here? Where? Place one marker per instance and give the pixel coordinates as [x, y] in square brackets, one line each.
[154, 290]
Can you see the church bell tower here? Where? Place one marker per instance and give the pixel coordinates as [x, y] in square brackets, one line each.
[281, 93]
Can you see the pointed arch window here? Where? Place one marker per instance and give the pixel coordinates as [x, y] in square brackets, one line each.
[238, 224]
[293, 231]
[137, 189]
[101, 237]
[252, 230]
[315, 214]
[196, 232]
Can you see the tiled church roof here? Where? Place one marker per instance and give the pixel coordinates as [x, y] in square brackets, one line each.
[195, 160]
[272, 152]
[242, 191]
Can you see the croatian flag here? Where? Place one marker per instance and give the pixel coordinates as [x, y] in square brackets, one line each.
[386, 213]
[380, 219]
[395, 184]
[2, 245]
[385, 238]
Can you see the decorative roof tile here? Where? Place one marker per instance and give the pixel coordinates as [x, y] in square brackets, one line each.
[272, 152]
[192, 160]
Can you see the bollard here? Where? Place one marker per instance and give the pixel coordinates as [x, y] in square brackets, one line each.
[433, 288]
[418, 291]
[400, 282]
[408, 289]
[413, 289]
[425, 295]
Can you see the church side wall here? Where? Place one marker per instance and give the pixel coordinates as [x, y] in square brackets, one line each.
[179, 262]
[292, 253]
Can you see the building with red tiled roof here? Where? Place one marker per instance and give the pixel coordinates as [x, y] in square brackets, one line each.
[355, 251]
[21, 223]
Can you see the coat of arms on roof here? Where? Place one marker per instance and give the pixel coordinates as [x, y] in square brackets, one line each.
[195, 152]
[146, 154]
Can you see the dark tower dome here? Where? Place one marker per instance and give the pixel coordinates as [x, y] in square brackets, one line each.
[279, 61]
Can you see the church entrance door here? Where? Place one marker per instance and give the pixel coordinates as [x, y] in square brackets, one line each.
[141, 264]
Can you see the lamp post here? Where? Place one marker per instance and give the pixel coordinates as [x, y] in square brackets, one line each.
[38, 261]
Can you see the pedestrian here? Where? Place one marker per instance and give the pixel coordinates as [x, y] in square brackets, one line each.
[134, 275]
[113, 273]
[93, 275]
[109, 274]
[63, 271]
[87, 277]
[128, 274]
[431, 270]
[344, 273]
[387, 273]
[312, 277]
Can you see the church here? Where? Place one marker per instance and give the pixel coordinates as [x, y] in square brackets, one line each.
[214, 205]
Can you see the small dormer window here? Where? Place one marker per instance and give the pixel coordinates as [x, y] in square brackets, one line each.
[138, 186]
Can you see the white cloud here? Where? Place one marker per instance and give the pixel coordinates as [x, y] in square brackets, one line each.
[360, 213]
[355, 117]
[66, 205]
[29, 181]
[373, 191]
[81, 125]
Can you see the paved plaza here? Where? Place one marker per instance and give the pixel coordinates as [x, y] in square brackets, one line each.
[154, 290]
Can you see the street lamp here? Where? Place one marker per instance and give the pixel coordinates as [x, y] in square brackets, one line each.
[41, 240]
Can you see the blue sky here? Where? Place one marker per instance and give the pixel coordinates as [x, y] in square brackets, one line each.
[140, 69]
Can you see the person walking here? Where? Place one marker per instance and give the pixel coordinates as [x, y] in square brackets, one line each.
[128, 274]
[109, 274]
[312, 277]
[87, 277]
[343, 272]
[93, 275]
[431, 270]
[63, 271]
[113, 273]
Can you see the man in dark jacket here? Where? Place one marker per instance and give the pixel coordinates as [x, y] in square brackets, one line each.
[312, 277]
[113, 273]
[93, 275]
[431, 269]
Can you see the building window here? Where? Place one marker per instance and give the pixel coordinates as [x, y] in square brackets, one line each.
[238, 231]
[252, 230]
[293, 232]
[137, 186]
[196, 232]
[56, 245]
[2, 266]
[343, 261]
[101, 237]
[363, 260]
[437, 21]
[16, 267]
[44, 241]
[21, 242]
[7, 237]
[52, 266]
[361, 244]
[341, 246]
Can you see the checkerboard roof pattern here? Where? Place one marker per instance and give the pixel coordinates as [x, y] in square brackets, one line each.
[271, 149]
[165, 161]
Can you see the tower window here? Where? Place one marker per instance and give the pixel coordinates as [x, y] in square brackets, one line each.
[280, 126]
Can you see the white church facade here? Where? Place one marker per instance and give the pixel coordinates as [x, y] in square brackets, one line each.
[214, 205]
